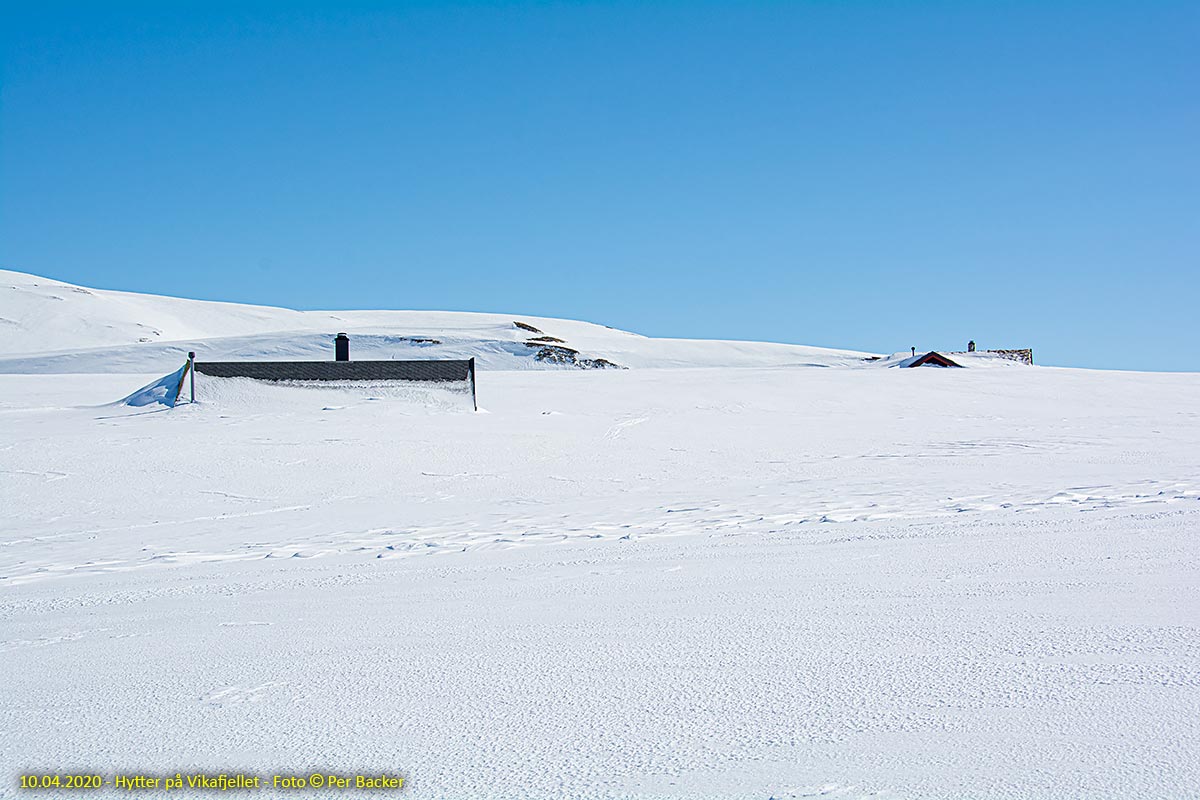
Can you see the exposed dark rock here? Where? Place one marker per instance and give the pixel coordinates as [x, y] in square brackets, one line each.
[598, 363]
[554, 354]
[548, 339]
[523, 326]
[557, 354]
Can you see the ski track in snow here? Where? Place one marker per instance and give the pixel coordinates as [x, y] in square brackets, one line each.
[469, 534]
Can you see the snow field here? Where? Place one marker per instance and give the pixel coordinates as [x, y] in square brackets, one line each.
[672, 581]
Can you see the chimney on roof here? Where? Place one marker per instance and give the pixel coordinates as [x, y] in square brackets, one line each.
[341, 347]
[914, 350]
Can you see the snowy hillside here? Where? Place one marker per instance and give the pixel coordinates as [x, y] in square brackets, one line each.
[54, 327]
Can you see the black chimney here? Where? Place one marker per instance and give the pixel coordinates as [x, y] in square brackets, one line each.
[341, 347]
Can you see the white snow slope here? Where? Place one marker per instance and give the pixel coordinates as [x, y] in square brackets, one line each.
[755, 581]
[49, 326]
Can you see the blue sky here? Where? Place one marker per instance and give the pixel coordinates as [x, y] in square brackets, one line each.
[870, 175]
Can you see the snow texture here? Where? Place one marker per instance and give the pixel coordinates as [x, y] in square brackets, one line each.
[791, 574]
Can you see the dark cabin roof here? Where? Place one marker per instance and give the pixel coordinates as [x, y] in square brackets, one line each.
[933, 359]
[339, 370]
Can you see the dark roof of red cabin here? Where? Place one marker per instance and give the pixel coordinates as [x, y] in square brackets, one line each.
[933, 359]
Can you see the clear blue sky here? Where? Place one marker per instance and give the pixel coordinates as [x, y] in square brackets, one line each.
[870, 175]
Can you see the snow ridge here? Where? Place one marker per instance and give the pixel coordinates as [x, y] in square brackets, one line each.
[56, 327]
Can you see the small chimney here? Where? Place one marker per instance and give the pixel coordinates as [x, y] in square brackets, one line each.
[341, 347]
[914, 350]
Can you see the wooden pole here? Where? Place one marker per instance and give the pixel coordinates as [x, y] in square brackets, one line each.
[192, 371]
[179, 387]
[471, 371]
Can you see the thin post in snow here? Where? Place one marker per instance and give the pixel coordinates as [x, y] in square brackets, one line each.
[192, 373]
[471, 372]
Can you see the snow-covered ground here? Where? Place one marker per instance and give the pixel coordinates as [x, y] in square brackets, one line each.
[733, 570]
